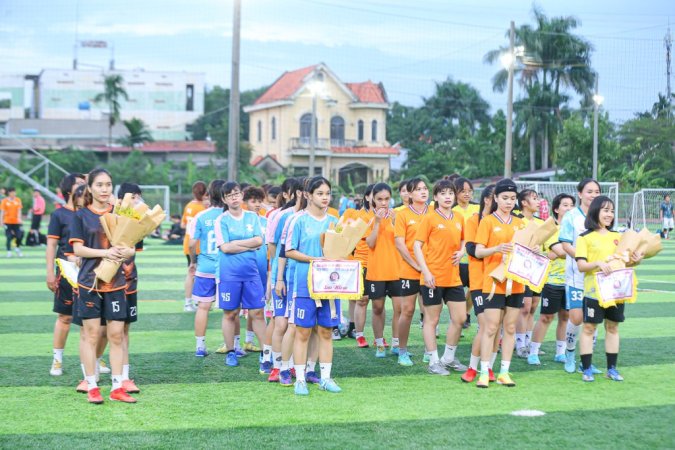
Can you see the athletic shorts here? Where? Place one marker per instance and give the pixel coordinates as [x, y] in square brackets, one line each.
[501, 301]
[478, 302]
[307, 315]
[280, 304]
[530, 293]
[440, 295]
[379, 289]
[552, 299]
[63, 297]
[574, 297]
[594, 313]
[241, 294]
[204, 289]
[105, 305]
[132, 307]
[668, 223]
[464, 274]
[409, 287]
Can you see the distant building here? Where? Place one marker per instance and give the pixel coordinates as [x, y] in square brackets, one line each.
[11, 97]
[351, 120]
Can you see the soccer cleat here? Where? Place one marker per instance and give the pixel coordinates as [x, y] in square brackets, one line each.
[56, 370]
[588, 375]
[454, 365]
[559, 358]
[361, 342]
[329, 385]
[312, 378]
[274, 376]
[82, 387]
[595, 370]
[404, 360]
[201, 353]
[394, 351]
[437, 369]
[570, 362]
[427, 357]
[336, 334]
[469, 375]
[613, 374]
[94, 396]
[130, 387]
[533, 360]
[522, 352]
[189, 307]
[293, 372]
[385, 344]
[301, 388]
[266, 368]
[541, 352]
[483, 381]
[285, 378]
[222, 349]
[251, 347]
[351, 334]
[240, 352]
[103, 367]
[491, 376]
[380, 352]
[120, 395]
[505, 380]
[231, 360]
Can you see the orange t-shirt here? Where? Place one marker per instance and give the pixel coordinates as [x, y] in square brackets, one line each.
[407, 222]
[11, 210]
[441, 237]
[189, 212]
[362, 250]
[475, 264]
[492, 232]
[384, 260]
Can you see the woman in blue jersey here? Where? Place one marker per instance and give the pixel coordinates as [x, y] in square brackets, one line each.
[238, 236]
[305, 246]
[204, 267]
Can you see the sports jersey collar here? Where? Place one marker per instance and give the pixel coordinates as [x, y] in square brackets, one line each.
[99, 212]
[581, 211]
[500, 219]
[426, 208]
[438, 211]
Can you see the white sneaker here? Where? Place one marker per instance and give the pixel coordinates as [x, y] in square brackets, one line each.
[18, 252]
[189, 307]
[56, 370]
[103, 367]
[9, 254]
[336, 334]
[522, 352]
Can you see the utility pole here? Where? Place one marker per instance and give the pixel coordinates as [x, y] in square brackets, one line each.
[508, 150]
[312, 144]
[668, 42]
[233, 128]
[596, 105]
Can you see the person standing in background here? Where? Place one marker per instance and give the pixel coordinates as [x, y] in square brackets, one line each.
[198, 204]
[38, 211]
[544, 210]
[10, 216]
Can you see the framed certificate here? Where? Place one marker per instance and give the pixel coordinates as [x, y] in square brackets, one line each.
[620, 286]
[527, 267]
[335, 280]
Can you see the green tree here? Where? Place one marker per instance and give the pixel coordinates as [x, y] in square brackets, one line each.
[113, 92]
[138, 133]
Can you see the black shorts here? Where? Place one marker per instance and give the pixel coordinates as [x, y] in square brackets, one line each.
[63, 297]
[477, 298]
[464, 274]
[440, 295]
[552, 299]
[188, 260]
[132, 307]
[364, 279]
[77, 320]
[594, 313]
[409, 287]
[530, 293]
[105, 305]
[35, 222]
[380, 289]
[500, 301]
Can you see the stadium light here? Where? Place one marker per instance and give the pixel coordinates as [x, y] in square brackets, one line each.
[597, 101]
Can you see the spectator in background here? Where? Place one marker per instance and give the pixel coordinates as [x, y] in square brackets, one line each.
[544, 210]
[200, 201]
[3, 193]
[59, 194]
[176, 234]
[666, 216]
[10, 216]
[343, 204]
[38, 211]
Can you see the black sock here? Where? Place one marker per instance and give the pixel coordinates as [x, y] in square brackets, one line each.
[352, 326]
[586, 361]
[611, 360]
[421, 317]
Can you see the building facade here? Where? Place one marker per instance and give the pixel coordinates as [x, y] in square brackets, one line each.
[11, 97]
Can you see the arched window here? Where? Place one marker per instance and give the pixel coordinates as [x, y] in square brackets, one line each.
[273, 130]
[373, 131]
[360, 130]
[260, 131]
[306, 128]
[337, 131]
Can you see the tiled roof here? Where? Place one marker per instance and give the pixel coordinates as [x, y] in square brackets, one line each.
[165, 147]
[366, 150]
[367, 92]
[285, 86]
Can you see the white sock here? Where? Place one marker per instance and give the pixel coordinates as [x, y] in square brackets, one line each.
[473, 361]
[449, 354]
[267, 353]
[433, 357]
[358, 334]
[276, 360]
[188, 301]
[325, 370]
[237, 343]
[300, 373]
[528, 337]
[379, 342]
[571, 335]
[520, 340]
[485, 367]
[311, 365]
[559, 348]
[201, 342]
[505, 366]
[285, 365]
[91, 382]
[534, 348]
[595, 337]
[116, 382]
[58, 354]
[84, 373]
[125, 372]
[394, 342]
[493, 358]
[249, 336]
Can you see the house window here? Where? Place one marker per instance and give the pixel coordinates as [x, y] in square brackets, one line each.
[303, 171]
[260, 131]
[190, 97]
[360, 130]
[306, 128]
[337, 131]
[273, 127]
[373, 131]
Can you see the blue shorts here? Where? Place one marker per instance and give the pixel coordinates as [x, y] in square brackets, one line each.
[307, 315]
[280, 304]
[204, 289]
[574, 297]
[241, 294]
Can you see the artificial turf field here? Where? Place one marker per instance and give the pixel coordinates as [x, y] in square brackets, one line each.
[201, 403]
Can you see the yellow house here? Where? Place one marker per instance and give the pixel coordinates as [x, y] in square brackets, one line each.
[351, 120]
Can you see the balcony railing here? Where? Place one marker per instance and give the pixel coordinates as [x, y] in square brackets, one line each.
[325, 144]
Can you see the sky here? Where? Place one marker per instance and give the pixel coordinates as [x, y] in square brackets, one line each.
[408, 46]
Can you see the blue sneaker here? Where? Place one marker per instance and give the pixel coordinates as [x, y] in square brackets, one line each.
[240, 352]
[559, 358]
[231, 360]
[614, 374]
[312, 377]
[201, 353]
[285, 378]
[426, 358]
[533, 360]
[404, 360]
[301, 388]
[265, 367]
[570, 362]
[381, 352]
[588, 375]
[395, 351]
[329, 385]
[595, 370]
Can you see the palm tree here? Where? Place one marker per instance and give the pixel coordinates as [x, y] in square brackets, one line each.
[138, 133]
[113, 91]
[454, 100]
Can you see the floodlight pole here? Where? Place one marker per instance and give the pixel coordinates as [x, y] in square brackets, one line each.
[508, 150]
[596, 105]
[233, 126]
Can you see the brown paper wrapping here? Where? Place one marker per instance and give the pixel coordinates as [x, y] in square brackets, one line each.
[341, 245]
[651, 244]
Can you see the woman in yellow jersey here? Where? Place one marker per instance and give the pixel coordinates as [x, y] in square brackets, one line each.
[593, 248]
[493, 243]
[528, 203]
[407, 223]
[404, 194]
[553, 294]
[357, 310]
[439, 246]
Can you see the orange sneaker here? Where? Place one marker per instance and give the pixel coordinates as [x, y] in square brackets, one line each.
[130, 387]
[361, 342]
[469, 375]
[119, 395]
[83, 387]
[94, 396]
[492, 376]
[274, 376]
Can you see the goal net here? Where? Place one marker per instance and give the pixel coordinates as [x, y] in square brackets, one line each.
[155, 194]
[549, 189]
[645, 212]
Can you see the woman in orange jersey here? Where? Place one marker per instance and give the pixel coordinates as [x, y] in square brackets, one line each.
[407, 223]
[198, 204]
[383, 261]
[439, 246]
[361, 254]
[493, 243]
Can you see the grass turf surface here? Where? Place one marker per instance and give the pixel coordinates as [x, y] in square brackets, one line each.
[190, 402]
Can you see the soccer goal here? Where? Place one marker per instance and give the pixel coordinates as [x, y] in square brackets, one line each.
[155, 194]
[646, 208]
[549, 189]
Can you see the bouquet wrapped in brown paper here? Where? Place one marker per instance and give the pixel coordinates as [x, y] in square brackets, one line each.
[644, 242]
[339, 242]
[125, 227]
